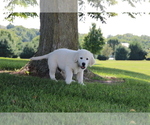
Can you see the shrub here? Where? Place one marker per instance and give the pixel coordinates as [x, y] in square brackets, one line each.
[28, 52]
[137, 53]
[122, 53]
[102, 57]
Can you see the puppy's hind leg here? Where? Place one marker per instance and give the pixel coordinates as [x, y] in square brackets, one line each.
[52, 71]
[52, 75]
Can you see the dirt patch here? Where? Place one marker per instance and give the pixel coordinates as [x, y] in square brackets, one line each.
[91, 77]
[5, 71]
[109, 81]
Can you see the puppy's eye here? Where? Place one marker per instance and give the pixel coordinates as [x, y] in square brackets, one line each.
[81, 58]
[87, 59]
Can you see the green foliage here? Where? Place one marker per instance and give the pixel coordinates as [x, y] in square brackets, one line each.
[139, 45]
[148, 56]
[113, 43]
[11, 15]
[16, 40]
[10, 26]
[98, 4]
[7, 44]
[102, 57]
[137, 53]
[105, 53]
[35, 43]
[81, 40]
[30, 48]
[101, 16]
[94, 41]
[129, 38]
[27, 52]
[24, 33]
[23, 3]
[122, 53]
[107, 50]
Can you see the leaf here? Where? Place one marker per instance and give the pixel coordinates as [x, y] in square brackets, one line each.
[25, 15]
[132, 110]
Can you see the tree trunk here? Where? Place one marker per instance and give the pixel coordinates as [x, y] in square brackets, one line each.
[59, 29]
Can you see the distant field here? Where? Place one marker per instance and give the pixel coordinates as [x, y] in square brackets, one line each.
[135, 66]
[34, 94]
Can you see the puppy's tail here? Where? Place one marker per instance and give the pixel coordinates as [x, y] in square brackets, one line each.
[40, 57]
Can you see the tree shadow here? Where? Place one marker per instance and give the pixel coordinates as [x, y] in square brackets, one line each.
[125, 74]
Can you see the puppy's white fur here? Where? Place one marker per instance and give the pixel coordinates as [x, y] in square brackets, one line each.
[69, 62]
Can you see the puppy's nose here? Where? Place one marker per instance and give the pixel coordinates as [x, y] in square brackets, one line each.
[83, 64]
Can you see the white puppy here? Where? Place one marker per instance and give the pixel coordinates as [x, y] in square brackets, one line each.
[69, 62]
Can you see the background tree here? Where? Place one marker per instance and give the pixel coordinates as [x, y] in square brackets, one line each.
[105, 53]
[30, 48]
[27, 52]
[7, 44]
[122, 53]
[129, 38]
[10, 26]
[137, 53]
[25, 34]
[148, 56]
[35, 43]
[81, 40]
[113, 43]
[94, 41]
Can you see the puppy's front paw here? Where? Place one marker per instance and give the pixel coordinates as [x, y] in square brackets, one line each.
[82, 84]
[73, 81]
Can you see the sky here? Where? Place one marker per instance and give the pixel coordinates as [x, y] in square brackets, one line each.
[120, 24]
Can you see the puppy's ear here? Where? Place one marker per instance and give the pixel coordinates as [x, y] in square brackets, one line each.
[92, 60]
[76, 57]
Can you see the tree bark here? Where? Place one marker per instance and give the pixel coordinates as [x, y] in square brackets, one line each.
[58, 30]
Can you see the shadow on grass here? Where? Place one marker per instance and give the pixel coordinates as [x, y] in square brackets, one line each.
[125, 74]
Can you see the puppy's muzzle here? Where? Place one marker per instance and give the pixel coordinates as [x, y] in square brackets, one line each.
[83, 66]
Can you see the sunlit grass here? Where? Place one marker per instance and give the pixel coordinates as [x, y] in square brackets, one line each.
[137, 70]
[135, 66]
[12, 63]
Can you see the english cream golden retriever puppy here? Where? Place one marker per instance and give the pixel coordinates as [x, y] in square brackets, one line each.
[69, 62]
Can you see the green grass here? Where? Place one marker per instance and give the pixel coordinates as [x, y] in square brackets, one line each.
[12, 64]
[129, 70]
[33, 94]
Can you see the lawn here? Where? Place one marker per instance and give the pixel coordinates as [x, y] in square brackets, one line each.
[135, 70]
[12, 63]
[34, 94]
